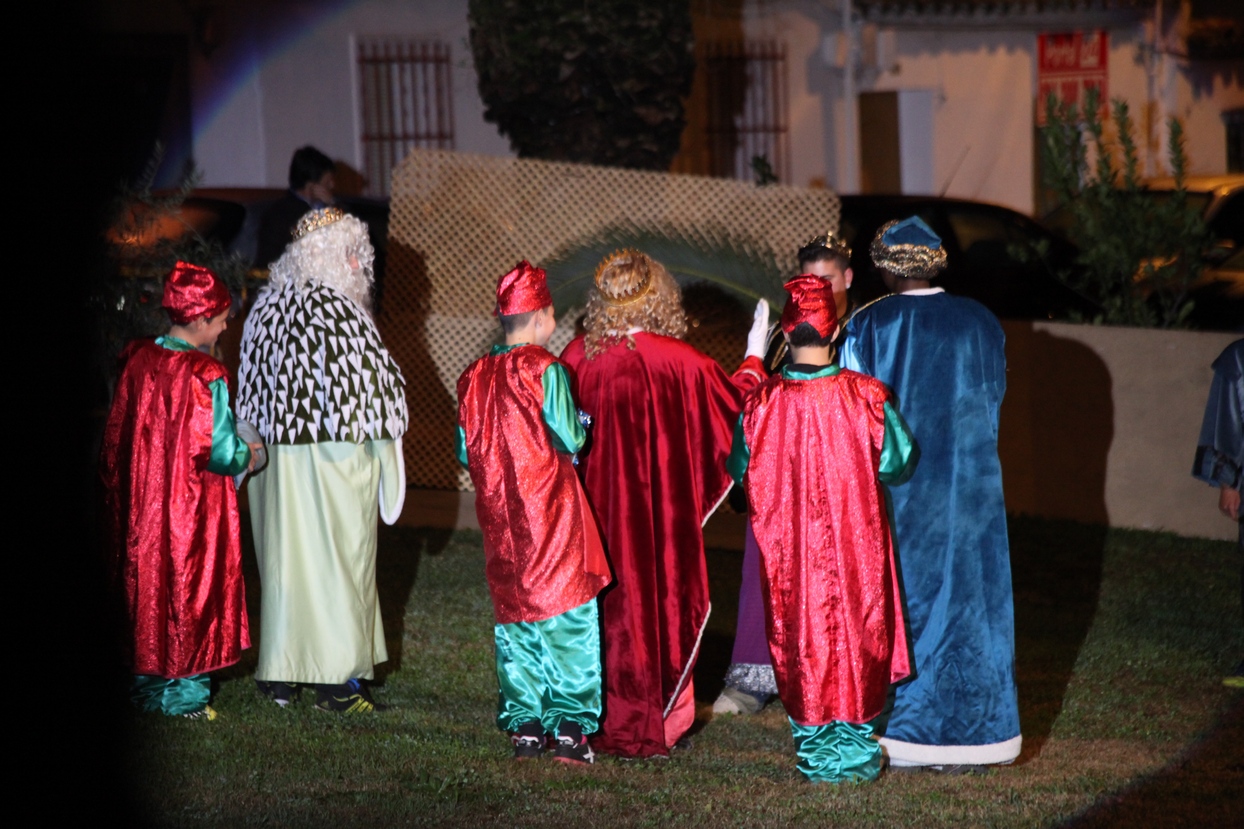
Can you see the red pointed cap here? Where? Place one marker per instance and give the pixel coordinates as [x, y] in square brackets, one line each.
[811, 301]
[521, 290]
[191, 292]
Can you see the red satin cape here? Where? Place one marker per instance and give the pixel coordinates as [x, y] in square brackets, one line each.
[543, 555]
[654, 469]
[834, 615]
[174, 548]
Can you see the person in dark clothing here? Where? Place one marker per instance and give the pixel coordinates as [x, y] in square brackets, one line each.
[311, 185]
[1220, 451]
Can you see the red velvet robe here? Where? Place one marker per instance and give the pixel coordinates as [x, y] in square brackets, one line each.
[543, 553]
[173, 535]
[655, 469]
[834, 614]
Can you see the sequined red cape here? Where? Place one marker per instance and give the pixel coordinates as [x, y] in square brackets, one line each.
[543, 553]
[174, 549]
[834, 613]
[655, 468]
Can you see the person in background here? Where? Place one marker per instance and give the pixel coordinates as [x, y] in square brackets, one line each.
[655, 470]
[943, 357]
[170, 450]
[320, 387]
[749, 679]
[517, 433]
[812, 448]
[1220, 451]
[311, 184]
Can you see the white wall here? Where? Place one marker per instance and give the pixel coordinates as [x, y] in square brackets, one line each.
[281, 80]
[284, 81]
[1196, 94]
[809, 82]
[915, 123]
[981, 86]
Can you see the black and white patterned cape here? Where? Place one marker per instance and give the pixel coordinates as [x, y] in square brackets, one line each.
[314, 369]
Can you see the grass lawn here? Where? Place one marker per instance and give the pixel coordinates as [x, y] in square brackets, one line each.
[1122, 640]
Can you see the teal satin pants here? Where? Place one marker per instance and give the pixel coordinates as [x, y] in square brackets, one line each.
[837, 752]
[549, 671]
[173, 697]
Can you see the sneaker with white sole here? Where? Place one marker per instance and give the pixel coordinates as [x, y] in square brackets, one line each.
[282, 693]
[528, 741]
[572, 745]
[734, 701]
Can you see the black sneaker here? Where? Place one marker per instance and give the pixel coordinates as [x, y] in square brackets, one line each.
[528, 741]
[351, 698]
[282, 693]
[572, 745]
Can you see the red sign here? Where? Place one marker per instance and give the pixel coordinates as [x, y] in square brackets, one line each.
[1070, 63]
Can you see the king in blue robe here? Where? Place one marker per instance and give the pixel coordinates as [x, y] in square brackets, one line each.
[943, 357]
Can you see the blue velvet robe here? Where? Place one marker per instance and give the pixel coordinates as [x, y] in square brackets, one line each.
[943, 357]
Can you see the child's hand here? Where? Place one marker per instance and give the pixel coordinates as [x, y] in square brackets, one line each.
[255, 447]
[758, 336]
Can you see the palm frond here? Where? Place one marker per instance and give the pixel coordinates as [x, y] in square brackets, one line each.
[739, 267]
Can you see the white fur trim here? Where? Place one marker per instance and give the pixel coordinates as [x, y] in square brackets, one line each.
[915, 754]
[690, 663]
[723, 497]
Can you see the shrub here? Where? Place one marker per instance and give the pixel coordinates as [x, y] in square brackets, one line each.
[1139, 255]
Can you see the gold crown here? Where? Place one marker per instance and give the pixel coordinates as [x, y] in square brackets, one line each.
[636, 293]
[908, 261]
[316, 219]
[832, 242]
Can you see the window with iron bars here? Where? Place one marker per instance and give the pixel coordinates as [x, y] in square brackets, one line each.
[747, 124]
[406, 100]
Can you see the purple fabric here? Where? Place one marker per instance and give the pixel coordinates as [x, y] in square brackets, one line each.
[750, 645]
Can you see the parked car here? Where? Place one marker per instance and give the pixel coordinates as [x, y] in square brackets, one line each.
[1218, 294]
[1001, 258]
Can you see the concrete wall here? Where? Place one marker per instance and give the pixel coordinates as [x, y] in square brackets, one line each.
[1100, 424]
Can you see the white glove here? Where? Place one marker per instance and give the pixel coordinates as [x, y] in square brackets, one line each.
[758, 337]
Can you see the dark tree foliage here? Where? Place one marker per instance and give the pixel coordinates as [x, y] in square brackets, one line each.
[595, 81]
[145, 237]
[1139, 255]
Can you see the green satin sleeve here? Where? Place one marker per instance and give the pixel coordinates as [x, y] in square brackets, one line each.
[740, 454]
[460, 444]
[899, 452]
[559, 411]
[230, 454]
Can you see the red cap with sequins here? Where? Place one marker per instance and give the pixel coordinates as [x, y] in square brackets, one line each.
[521, 290]
[191, 292]
[811, 301]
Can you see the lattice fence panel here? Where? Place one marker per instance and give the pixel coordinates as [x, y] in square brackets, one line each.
[459, 221]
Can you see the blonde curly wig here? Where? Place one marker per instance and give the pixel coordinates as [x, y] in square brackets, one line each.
[633, 290]
[322, 257]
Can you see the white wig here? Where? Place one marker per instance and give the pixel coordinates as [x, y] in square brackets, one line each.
[322, 257]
